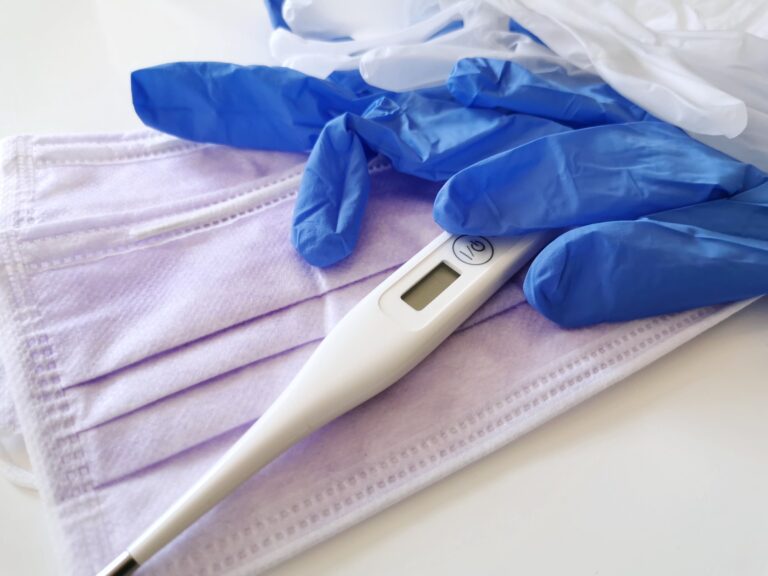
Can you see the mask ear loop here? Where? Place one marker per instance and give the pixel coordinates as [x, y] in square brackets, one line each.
[11, 443]
[12, 447]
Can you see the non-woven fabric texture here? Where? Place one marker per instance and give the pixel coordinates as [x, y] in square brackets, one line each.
[153, 308]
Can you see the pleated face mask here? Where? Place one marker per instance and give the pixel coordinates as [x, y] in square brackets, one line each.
[153, 308]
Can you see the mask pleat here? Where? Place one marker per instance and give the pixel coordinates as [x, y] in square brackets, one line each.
[193, 416]
[203, 295]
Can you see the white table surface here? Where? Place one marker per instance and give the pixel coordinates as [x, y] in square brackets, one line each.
[665, 473]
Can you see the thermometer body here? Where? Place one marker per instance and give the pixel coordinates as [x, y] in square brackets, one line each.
[382, 338]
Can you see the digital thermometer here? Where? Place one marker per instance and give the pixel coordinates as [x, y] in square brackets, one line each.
[382, 338]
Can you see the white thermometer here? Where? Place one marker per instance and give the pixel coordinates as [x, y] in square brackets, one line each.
[382, 338]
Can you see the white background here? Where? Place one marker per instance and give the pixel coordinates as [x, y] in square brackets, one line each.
[666, 473]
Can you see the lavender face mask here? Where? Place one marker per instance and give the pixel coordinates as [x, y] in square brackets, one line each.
[153, 308]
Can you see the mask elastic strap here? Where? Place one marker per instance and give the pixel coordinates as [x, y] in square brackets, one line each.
[9, 469]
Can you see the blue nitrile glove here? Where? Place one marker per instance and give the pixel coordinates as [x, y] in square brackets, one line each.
[426, 133]
[610, 172]
[706, 241]
[714, 249]
[700, 255]
[606, 172]
[431, 133]
[257, 107]
[436, 132]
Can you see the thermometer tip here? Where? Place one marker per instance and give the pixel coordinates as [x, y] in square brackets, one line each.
[123, 565]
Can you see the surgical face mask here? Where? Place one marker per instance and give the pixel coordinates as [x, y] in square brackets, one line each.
[153, 309]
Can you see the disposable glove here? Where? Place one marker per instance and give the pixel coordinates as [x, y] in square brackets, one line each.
[704, 242]
[675, 260]
[245, 106]
[427, 133]
[521, 172]
[431, 133]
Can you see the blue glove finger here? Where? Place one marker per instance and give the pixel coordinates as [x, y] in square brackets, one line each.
[244, 106]
[577, 100]
[428, 134]
[612, 172]
[680, 259]
[426, 137]
[332, 196]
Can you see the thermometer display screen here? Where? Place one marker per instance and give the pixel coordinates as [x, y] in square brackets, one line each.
[430, 287]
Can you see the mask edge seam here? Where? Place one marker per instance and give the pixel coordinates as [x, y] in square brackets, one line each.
[35, 362]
